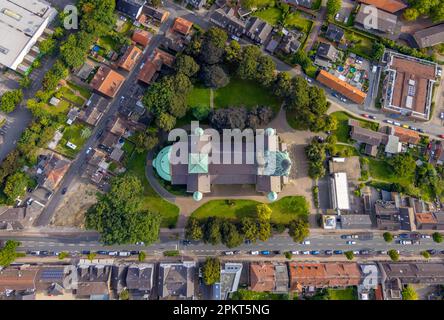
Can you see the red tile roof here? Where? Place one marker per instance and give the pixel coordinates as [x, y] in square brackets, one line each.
[262, 276]
[182, 26]
[407, 136]
[141, 37]
[391, 6]
[341, 86]
[130, 58]
[107, 81]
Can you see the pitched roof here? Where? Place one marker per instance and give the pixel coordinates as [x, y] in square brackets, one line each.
[262, 276]
[182, 26]
[430, 37]
[342, 87]
[334, 33]
[391, 6]
[107, 81]
[425, 217]
[328, 51]
[130, 58]
[141, 37]
[367, 136]
[148, 71]
[53, 172]
[407, 136]
[386, 22]
[17, 279]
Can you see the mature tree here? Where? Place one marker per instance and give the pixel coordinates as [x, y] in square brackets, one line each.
[425, 254]
[263, 212]
[377, 50]
[298, 229]
[98, 16]
[228, 118]
[72, 53]
[299, 97]
[165, 121]
[214, 76]
[437, 237]
[194, 230]
[47, 46]
[156, 3]
[315, 152]
[393, 254]
[16, 185]
[53, 77]
[282, 86]
[118, 215]
[201, 112]
[264, 230]
[8, 253]
[141, 257]
[211, 271]
[259, 116]
[388, 237]
[248, 65]
[10, 100]
[403, 164]
[230, 235]
[213, 46]
[233, 53]
[146, 140]
[212, 233]
[409, 293]
[124, 294]
[349, 255]
[333, 7]
[185, 64]
[265, 73]
[249, 228]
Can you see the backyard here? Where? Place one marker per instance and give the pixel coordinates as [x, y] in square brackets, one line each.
[284, 210]
[273, 15]
[342, 294]
[343, 130]
[362, 45]
[152, 201]
[76, 134]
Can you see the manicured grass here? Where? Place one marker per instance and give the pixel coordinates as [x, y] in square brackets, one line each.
[84, 92]
[343, 130]
[128, 148]
[152, 201]
[343, 149]
[296, 20]
[200, 96]
[62, 108]
[343, 294]
[270, 15]
[69, 95]
[284, 210]
[72, 134]
[243, 294]
[245, 93]
[363, 45]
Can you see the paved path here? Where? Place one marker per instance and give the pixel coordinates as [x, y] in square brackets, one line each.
[316, 29]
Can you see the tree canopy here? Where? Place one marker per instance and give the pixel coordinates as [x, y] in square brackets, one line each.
[10, 100]
[211, 271]
[409, 293]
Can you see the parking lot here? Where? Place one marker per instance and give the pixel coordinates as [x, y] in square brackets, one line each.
[8, 82]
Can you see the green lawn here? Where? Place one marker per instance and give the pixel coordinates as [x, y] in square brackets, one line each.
[128, 148]
[342, 294]
[152, 201]
[84, 92]
[270, 15]
[343, 130]
[362, 45]
[69, 95]
[200, 96]
[72, 134]
[297, 21]
[284, 210]
[62, 108]
[245, 93]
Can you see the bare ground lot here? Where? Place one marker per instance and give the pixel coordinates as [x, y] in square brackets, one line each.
[78, 199]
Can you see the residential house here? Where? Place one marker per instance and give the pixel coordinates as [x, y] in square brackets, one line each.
[117, 126]
[290, 43]
[389, 216]
[334, 33]
[347, 90]
[131, 8]
[300, 3]
[393, 146]
[430, 220]
[407, 136]
[272, 45]
[129, 59]
[230, 274]
[323, 275]
[49, 280]
[384, 23]
[50, 171]
[141, 37]
[95, 108]
[196, 4]
[176, 280]
[269, 277]
[154, 64]
[93, 281]
[86, 70]
[258, 30]
[72, 115]
[107, 81]
[430, 37]
[408, 85]
[108, 141]
[356, 221]
[139, 280]
[156, 15]
[391, 6]
[226, 19]
[327, 51]
[182, 26]
[17, 281]
[436, 152]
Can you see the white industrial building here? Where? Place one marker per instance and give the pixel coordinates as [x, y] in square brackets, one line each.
[339, 191]
[22, 22]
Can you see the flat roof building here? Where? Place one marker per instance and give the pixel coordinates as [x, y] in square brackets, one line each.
[408, 85]
[339, 191]
[22, 22]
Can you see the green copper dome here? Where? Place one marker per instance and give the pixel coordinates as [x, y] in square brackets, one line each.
[162, 163]
[272, 196]
[197, 196]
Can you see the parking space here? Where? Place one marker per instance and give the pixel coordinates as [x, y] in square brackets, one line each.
[8, 82]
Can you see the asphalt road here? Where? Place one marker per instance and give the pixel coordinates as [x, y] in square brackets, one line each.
[318, 242]
[75, 169]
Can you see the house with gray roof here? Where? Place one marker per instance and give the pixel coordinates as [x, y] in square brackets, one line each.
[225, 18]
[327, 51]
[139, 280]
[230, 274]
[176, 280]
[430, 37]
[258, 30]
[334, 33]
[384, 23]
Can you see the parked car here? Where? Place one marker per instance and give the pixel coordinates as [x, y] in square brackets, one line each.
[104, 253]
[135, 252]
[306, 242]
[388, 121]
[295, 252]
[382, 252]
[346, 236]
[88, 151]
[338, 252]
[356, 252]
[124, 254]
[351, 242]
[426, 236]
[186, 242]
[365, 115]
[254, 253]
[277, 252]
[421, 130]
[432, 252]
[405, 242]
[405, 126]
[86, 252]
[265, 252]
[441, 136]
[372, 117]
[364, 252]
[441, 115]
[315, 252]
[228, 253]
[397, 124]
[305, 252]
[113, 253]
[140, 243]
[328, 252]
[64, 190]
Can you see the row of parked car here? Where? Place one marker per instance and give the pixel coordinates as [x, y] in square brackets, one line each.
[84, 252]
